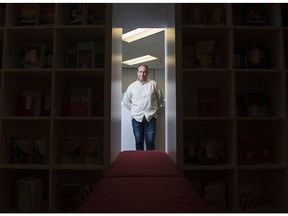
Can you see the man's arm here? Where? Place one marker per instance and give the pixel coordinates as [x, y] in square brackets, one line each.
[127, 99]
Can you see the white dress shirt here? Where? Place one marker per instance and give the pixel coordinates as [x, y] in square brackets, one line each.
[143, 99]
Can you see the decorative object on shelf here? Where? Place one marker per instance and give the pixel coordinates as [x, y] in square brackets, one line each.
[195, 16]
[77, 13]
[208, 102]
[215, 16]
[28, 195]
[258, 105]
[238, 14]
[34, 55]
[29, 14]
[27, 102]
[266, 149]
[256, 15]
[20, 150]
[257, 56]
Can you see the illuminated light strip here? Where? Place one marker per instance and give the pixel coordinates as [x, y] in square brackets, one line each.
[140, 33]
[139, 60]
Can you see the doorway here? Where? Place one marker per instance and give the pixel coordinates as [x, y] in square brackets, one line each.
[153, 45]
[131, 16]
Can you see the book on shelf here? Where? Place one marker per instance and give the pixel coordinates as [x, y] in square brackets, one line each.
[47, 14]
[20, 150]
[27, 102]
[86, 54]
[34, 102]
[29, 14]
[28, 194]
[77, 14]
[208, 102]
[34, 55]
[93, 150]
[40, 150]
[71, 57]
[70, 150]
[205, 51]
[80, 101]
[45, 104]
[215, 196]
[70, 197]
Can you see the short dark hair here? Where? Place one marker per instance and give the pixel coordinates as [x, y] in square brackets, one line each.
[144, 65]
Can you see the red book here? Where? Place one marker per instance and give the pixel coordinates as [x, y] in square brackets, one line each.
[208, 102]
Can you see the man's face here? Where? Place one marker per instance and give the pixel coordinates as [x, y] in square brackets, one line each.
[142, 74]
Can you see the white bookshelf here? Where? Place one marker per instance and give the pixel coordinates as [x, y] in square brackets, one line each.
[57, 36]
[270, 178]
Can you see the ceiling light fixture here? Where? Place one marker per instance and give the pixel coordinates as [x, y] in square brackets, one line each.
[140, 33]
[139, 60]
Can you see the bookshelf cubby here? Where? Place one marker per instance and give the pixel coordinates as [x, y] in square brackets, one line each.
[266, 175]
[54, 77]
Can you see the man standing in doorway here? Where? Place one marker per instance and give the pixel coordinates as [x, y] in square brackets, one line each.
[143, 98]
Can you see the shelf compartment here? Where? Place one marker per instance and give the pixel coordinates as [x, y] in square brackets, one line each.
[193, 81]
[265, 187]
[23, 129]
[64, 41]
[267, 142]
[201, 178]
[8, 180]
[64, 13]
[240, 14]
[80, 128]
[81, 180]
[199, 130]
[204, 14]
[20, 80]
[221, 50]
[268, 37]
[15, 45]
[268, 83]
[66, 80]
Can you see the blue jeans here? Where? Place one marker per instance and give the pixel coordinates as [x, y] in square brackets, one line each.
[144, 130]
